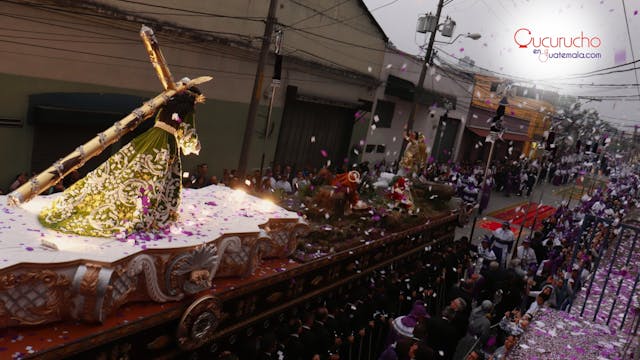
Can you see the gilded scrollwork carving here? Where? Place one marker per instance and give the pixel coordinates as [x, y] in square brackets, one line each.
[33, 297]
[145, 264]
[280, 238]
[194, 271]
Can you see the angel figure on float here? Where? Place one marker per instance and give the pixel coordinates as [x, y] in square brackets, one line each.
[415, 154]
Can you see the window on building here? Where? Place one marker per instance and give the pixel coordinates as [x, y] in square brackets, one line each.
[380, 149]
[385, 111]
[370, 148]
[494, 86]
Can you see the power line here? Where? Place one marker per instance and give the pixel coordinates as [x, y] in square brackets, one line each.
[76, 59]
[626, 20]
[255, 18]
[107, 36]
[332, 39]
[84, 31]
[67, 11]
[128, 39]
[550, 82]
[342, 21]
[317, 12]
[494, 13]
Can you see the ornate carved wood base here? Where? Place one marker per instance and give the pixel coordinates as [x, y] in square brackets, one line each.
[215, 319]
[32, 294]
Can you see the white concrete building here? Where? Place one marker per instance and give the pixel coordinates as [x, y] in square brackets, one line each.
[443, 88]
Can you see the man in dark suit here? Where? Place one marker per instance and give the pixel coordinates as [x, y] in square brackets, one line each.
[293, 348]
[308, 337]
[442, 334]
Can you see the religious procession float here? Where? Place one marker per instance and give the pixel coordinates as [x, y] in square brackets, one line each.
[127, 264]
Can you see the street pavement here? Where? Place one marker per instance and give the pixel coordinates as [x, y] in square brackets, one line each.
[551, 195]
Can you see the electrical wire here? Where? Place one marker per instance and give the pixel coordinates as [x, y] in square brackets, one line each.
[67, 11]
[84, 31]
[332, 39]
[316, 12]
[217, 71]
[203, 13]
[342, 21]
[626, 19]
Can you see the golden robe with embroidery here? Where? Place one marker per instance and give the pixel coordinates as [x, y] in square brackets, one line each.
[136, 189]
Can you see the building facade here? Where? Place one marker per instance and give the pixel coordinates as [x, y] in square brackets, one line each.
[442, 108]
[76, 67]
[527, 117]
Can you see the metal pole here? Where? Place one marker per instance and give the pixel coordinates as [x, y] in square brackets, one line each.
[633, 247]
[515, 246]
[275, 83]
[266, 129]
[615, 300]
[257, 89]
[606, 280]
[473, 228]
[633, 291]
[595, 270]
[576, 246]
[486, 170]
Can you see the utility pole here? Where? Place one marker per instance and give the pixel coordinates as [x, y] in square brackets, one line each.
[423, 71]
[257, 89]
[275, 83]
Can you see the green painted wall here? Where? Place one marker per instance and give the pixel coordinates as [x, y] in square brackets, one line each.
[220, 127]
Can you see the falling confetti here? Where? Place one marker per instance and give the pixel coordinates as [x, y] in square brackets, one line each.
[323, 153]
[313, 139]
[376, 118]
[438, 77]
[394, 139]
[389, 66]
[373, 127]
[370, 69]
[620, 56]
[461, 49]
[635, 12]
[404, 67]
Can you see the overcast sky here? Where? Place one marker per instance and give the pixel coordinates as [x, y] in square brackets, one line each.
[498, 20]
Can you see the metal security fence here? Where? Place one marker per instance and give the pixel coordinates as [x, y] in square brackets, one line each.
[609, 252]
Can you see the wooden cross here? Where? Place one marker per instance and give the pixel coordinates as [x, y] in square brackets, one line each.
[95, 146]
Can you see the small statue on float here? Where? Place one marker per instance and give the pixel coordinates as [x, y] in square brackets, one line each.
[400, 194]
[415, 154]
[341, 196]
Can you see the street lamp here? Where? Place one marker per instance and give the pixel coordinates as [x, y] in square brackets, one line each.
[473, 36]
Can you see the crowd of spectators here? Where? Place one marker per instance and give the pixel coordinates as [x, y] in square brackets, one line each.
[461, 301]
[458, 302]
